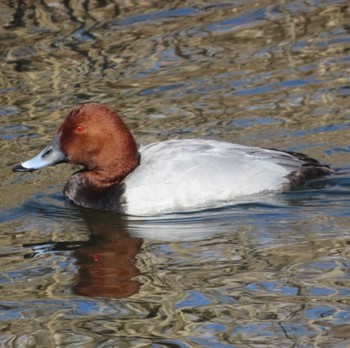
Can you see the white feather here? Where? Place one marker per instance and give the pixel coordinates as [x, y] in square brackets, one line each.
[179, 175]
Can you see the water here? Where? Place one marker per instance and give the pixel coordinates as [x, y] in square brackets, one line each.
[269, 274]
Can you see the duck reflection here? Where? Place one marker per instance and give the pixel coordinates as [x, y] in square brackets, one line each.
[106, 263]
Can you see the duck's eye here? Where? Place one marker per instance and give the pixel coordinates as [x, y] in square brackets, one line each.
[80, 129]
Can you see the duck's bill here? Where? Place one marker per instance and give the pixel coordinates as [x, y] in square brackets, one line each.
[52, 154]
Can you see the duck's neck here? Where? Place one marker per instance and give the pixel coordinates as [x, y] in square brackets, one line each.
[113, 163]
[102, 178]
[99, 188]
[85, 193]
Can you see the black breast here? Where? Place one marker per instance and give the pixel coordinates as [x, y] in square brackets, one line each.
[78, 190]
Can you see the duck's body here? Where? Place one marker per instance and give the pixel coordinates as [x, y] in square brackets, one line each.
[192, 174]
[164, 177]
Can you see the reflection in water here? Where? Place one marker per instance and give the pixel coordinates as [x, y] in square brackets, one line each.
[106, 262]
[245, 269]
[266, 73]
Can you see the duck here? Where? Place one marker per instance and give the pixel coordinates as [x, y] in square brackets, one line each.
[171, 176]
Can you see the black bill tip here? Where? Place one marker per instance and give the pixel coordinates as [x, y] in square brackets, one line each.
[20, 168]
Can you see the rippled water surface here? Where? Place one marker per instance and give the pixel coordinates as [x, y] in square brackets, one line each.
[266, 73]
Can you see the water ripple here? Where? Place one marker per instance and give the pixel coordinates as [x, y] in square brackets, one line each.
[270, 272]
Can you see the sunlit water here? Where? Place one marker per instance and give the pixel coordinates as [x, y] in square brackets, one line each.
[269, 273]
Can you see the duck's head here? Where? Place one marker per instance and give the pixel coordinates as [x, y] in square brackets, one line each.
[93, 136]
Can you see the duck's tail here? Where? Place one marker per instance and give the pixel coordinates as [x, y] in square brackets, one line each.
[310, 169]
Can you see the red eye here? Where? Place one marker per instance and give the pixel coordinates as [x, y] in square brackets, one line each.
[80, 129]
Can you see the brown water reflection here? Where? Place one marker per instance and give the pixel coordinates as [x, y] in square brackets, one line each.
[267, 73]
[106, 263]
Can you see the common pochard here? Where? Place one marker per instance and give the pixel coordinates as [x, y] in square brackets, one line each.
[163, 177]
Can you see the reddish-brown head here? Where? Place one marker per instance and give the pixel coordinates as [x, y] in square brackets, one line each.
[95, 137]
